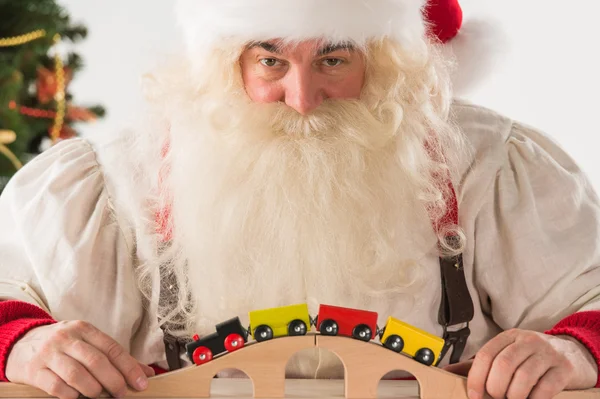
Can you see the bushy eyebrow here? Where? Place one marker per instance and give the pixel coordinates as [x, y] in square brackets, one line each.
[329, 48]
[271, 48]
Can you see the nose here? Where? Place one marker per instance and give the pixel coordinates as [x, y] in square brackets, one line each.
[302, 90]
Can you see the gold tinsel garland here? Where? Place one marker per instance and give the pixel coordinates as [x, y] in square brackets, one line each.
[59, 96]
[22, 39]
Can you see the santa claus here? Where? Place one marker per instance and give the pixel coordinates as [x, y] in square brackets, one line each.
[303, 152]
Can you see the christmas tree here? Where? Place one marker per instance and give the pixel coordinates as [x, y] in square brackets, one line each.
[36, 108]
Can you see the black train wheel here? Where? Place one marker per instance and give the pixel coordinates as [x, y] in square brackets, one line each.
[395, 343]
[328, 327]
[297, 327]
[425, 356]
[263, 333]
[362, 332]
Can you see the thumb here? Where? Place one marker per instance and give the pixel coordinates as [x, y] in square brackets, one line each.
[461, 368]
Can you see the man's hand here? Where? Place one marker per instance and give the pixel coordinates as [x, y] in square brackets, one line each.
[71, 358]
[527, 364]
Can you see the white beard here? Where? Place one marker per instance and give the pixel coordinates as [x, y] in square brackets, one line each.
[271, 208]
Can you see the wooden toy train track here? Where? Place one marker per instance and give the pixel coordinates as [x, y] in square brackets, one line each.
[365, 363]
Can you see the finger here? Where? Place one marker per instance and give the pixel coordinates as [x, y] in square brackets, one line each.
[527, 376]
[483, 361]
[506, 364]
[550, 385]
[149, 371]
[52, 384]
[74, 374]
[123, 361]
[461, 368]
[99, 366]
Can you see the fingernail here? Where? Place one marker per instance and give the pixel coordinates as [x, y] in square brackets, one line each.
[473, 394]
[142, 383]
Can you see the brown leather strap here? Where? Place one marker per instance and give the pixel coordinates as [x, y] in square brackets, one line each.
[458, 339]
[173, 351]
[456, 306]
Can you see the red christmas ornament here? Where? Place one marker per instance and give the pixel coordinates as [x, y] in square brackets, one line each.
[47, 83]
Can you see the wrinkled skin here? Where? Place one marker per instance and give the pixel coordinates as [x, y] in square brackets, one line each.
[526, 364]
[73, 357]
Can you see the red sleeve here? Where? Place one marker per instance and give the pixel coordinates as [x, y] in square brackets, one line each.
[16, 319]
[158, 370]
[585, 327]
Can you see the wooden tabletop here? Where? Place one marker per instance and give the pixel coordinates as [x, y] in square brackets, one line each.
[300, 389]
[233, 388]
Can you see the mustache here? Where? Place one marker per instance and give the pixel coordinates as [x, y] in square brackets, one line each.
[348, 119]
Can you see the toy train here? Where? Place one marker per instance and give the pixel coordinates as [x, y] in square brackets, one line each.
[295, 320]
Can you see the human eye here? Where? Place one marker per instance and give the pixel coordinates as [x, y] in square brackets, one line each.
[269, 62]
[332, 62]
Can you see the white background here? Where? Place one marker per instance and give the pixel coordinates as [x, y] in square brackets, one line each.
[537, 61]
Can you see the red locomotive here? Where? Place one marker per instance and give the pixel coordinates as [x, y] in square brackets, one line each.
[354, 323]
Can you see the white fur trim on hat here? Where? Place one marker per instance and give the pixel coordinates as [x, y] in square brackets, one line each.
[205, 22]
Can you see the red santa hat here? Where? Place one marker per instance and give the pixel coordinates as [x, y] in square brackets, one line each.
[205, 22]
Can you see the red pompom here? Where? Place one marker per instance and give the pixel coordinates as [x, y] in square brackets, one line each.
[444, 17]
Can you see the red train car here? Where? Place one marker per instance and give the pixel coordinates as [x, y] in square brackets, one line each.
[354, 323]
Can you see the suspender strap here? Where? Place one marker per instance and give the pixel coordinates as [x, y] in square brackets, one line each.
[458, 339]
[173, 351]
[456, 306]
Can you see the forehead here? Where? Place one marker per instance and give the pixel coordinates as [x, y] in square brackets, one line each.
[309, 47]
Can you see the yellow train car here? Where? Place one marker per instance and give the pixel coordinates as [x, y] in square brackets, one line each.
[412, 341]
[270, 323]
